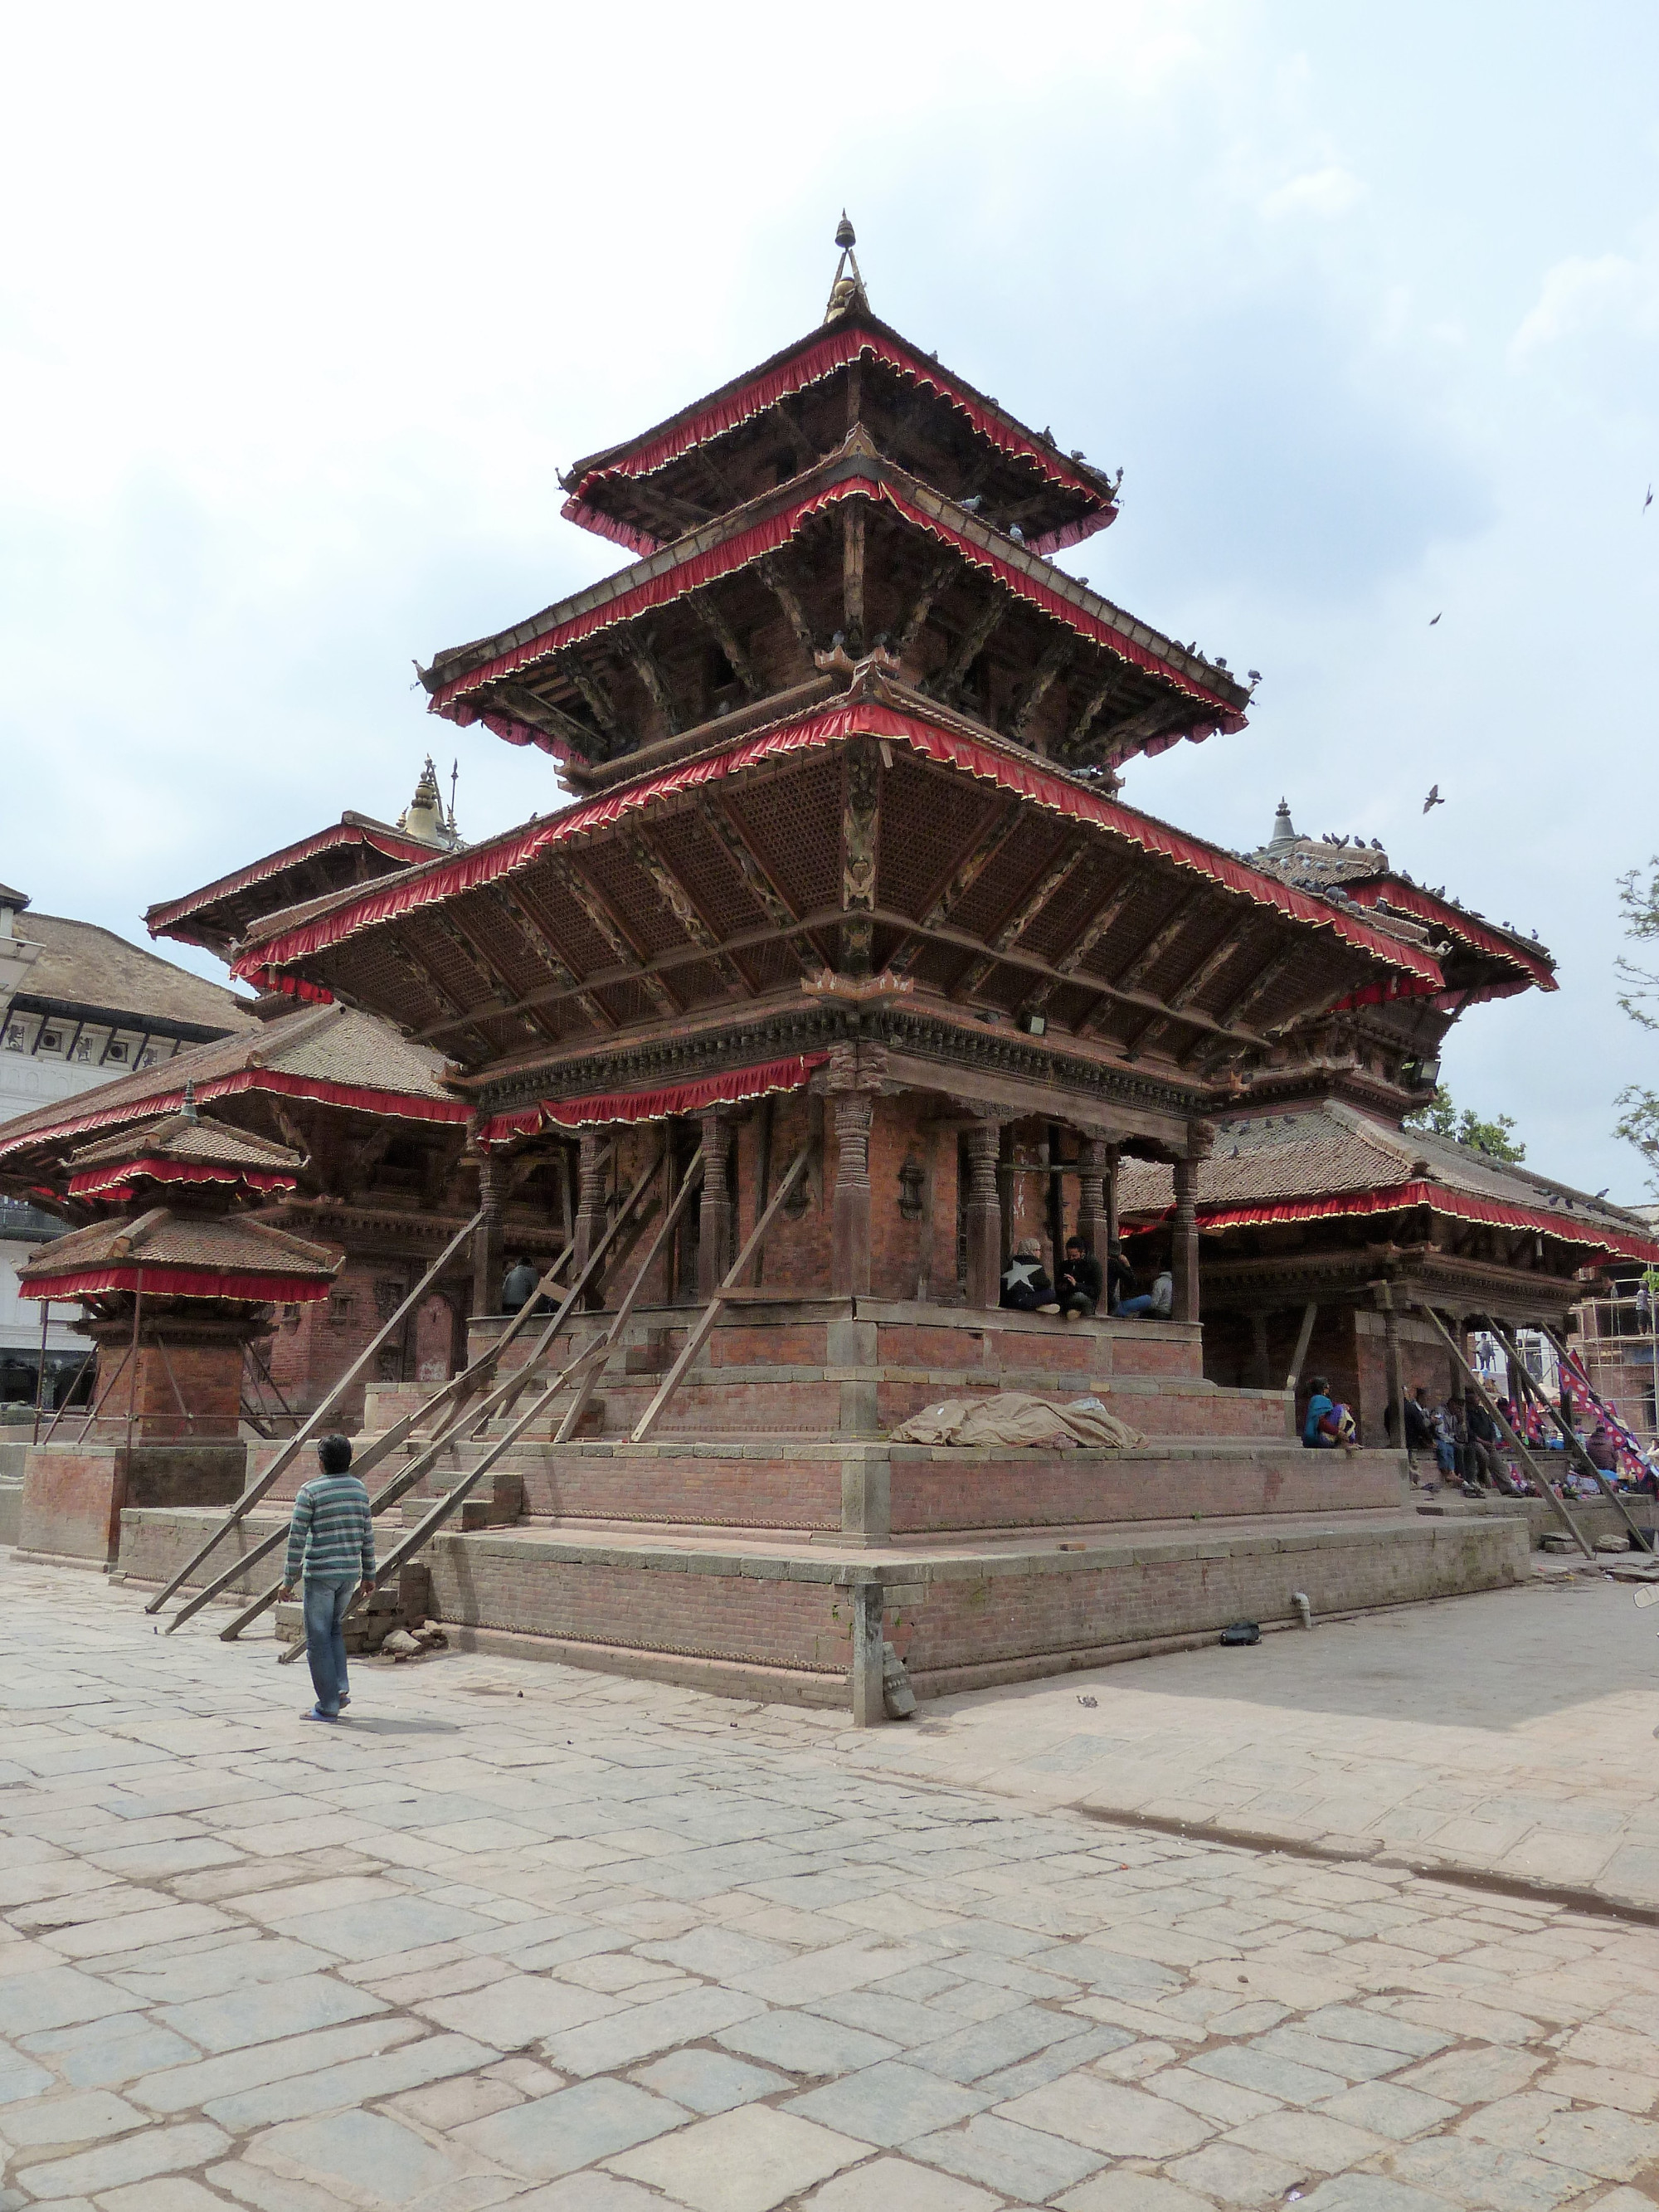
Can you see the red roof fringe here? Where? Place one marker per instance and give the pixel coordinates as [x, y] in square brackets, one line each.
[160, 918]
[1409, 899]
[116, 1181]
[398, 1105]
[811, 367]
[736, 1084]
[766, 537]
[486, 864]
[162, 1281]
[1457, 1205]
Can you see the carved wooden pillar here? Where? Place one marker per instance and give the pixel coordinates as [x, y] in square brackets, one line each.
[859, 797]
[849, 1218]
[487, 1237]
[1260, 1374]
[1184, 1235]
[715, 1206]
[984, 1215]
[1394, 1373]
[589, 1205]
[1092, 1196]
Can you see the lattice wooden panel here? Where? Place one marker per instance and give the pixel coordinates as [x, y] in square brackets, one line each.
[1068, 913]
[633, 898]
[1011, 874]
[795, 823]
[545, 895]
[702, 863]
[927, 823]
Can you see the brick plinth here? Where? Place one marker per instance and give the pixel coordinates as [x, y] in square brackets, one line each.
[775, 1619]
[73, 1495]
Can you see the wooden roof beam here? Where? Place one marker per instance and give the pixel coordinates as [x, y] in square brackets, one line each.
[610, 926]
[939, 576]
[638, 648]
[708, 611]
[972, 641]
[770, 572]
[757, 881]
[547, 953]
[683, 907]
[542, 715]
[1038, 684]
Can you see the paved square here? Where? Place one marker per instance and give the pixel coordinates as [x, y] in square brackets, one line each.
[525, 1936]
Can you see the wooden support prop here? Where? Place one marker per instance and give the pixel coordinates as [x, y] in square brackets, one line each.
[99, 1402]
[1508, 1436]
[452, 1500]
[1304, 1338]
[284, 1459]
[702, 1328]
[666, 1229]
[1576, 1451]
[69, 1393]
[1609, 1489]
[469, 1418]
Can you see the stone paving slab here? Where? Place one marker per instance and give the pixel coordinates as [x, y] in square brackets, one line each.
[1509, 1734]
[519, 1936]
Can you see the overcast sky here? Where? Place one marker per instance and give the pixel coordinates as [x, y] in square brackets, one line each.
[300, 310]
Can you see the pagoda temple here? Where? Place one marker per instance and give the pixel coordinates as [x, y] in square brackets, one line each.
[1321, 1196]
[174, 1276]
[383, 1177]
[847, 969]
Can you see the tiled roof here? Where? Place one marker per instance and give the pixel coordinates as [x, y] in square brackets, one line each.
[231, 1243]
[1330, 1149]
[87, 966]
[201, 1140]
[316, 1052]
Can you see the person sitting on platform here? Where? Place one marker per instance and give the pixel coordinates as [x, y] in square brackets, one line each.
[1080, 1278]
[1026, 1286]
[1120, 1278]
[1484, 1464]
[1420, 1422]
[1326, 1424]
[1158, 1302]
[1603, 1452]
[519, 1286]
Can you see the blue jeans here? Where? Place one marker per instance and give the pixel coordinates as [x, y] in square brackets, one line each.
[325, 1613]
[1143, 1304]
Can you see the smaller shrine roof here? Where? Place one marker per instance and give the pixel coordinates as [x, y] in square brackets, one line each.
[183, 1148]
[180, 1255]
[1356, 872]
[331, 1054]
[215, 914]
[1327, 1160]
[188, 1136]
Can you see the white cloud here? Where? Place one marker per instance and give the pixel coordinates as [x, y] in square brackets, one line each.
[1327, 192]
[1579, 295]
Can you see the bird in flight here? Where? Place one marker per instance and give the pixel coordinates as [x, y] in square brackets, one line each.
[1648, 501]
[1433, 798]
[1433, 619]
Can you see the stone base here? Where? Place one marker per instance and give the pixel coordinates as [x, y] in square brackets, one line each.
[73, 1495]
[772, 1618]
[11, 1507]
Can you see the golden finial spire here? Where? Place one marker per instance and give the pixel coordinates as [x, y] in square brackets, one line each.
[846, 291]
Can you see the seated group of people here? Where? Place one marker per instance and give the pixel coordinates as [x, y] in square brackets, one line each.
[1083, 1284]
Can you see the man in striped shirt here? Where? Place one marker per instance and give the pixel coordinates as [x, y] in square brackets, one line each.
[331, 1543]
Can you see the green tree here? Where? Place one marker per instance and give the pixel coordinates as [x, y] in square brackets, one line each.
[1638, 1115]
[1442, 1118]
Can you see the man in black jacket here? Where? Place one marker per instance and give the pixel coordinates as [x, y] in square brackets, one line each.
[1080, 1278]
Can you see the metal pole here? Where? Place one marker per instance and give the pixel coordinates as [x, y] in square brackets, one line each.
[40, 1372]
[132, 1388]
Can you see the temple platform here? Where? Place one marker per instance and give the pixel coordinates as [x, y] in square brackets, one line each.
[771, 1614]
[771, 1521]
